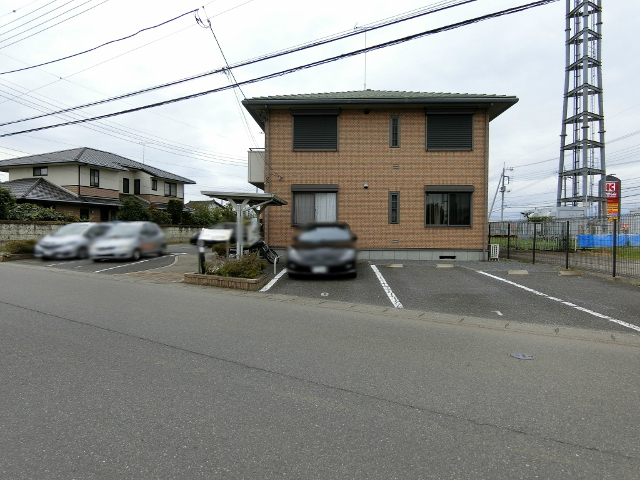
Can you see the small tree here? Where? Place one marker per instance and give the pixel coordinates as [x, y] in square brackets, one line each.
[160, 217]
[133, 209]
[224, 214]
[174, 208]
[7, 202]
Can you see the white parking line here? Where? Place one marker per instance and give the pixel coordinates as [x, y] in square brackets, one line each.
[273, 281]
[569, 304]
[394, 300]
[129, 264]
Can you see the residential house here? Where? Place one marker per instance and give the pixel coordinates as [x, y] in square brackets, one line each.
[408, 171]
[89, 183]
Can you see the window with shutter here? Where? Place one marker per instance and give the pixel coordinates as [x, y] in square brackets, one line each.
[316, 131]
[450, 131]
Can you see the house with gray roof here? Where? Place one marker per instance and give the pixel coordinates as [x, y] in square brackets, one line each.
[408, 171]
[89, 183]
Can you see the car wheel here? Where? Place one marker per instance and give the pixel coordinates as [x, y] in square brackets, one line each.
[83, 253]
[163, 251]
[135, 256]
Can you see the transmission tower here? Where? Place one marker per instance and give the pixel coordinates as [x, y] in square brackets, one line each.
[582, 139]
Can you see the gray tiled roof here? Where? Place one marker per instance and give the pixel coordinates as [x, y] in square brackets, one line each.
[41, 189]
[494, 104]
[376, 95]
[90, 156]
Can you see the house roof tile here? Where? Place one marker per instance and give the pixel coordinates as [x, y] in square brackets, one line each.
[90, 156]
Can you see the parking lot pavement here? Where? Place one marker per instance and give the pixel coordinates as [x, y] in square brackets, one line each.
[508, 291]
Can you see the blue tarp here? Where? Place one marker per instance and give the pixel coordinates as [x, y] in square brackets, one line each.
[595, 241]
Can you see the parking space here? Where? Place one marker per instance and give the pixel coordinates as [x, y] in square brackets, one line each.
[508, 291]
[116, 267]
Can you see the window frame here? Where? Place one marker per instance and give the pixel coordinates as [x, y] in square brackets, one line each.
[136, 186]
[448, 190]
[468, 139]
[94, 177]
[40, 171]
[125, 185]
[154, 185]
[311, 189]
[84, 214]
[304, 114]
[395, 144]
[396, 208]
[172, 186]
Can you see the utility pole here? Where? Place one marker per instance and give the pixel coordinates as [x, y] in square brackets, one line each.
[502, 187]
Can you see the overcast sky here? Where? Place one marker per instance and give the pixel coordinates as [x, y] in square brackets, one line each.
[206, 138]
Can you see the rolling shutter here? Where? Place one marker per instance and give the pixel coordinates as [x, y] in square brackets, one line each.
[315, 132]
[449, 131]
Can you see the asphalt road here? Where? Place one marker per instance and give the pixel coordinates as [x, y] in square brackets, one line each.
[105, 377]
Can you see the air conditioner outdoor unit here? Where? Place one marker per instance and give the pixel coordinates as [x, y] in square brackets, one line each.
[494, 251]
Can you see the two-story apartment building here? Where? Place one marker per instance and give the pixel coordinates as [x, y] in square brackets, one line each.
[89, 183]
[408, 171]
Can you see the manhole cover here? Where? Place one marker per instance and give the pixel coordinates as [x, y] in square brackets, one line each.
[522, 356]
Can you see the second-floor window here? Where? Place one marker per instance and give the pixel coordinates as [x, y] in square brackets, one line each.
[136, 187]
[94, 177]
[170, 189]
[40, 171]
[449, 131]
[394, 131]
[125, 185]
[315, 130]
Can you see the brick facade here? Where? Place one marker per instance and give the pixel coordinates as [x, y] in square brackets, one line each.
[364, 156]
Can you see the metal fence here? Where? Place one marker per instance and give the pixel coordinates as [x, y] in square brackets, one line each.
[593, 244]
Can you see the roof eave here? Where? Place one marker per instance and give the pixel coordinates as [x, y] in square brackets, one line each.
[494, 105]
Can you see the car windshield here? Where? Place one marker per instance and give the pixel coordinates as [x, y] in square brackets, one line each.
[325, 234]
[71, 229]
[123, 230]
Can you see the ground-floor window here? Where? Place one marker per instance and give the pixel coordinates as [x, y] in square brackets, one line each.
[84, 214]
[394, 207]
[314, 203]
[448, 206]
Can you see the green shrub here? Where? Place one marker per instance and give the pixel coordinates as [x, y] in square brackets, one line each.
[7, 203]
[221, 248]
[33, 212]
[133, 210]
[20, 246]
[249, 266]
[161, 217]
[174, 208]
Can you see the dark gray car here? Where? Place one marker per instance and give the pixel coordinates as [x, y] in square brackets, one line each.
[323, 249]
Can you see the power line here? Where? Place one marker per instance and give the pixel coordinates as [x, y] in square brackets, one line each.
[99, 46]
[296, 69]
[26, 14]
[333, 38]
[51, 26]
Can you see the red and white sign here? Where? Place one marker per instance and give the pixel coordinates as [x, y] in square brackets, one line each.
[613, 198]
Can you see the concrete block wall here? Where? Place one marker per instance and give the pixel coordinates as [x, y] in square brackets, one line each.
[11, 230]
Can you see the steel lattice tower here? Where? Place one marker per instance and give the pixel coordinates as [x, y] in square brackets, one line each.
[582, 139]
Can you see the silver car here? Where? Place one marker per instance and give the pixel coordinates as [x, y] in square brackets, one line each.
[70, 241]
[129, 241]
